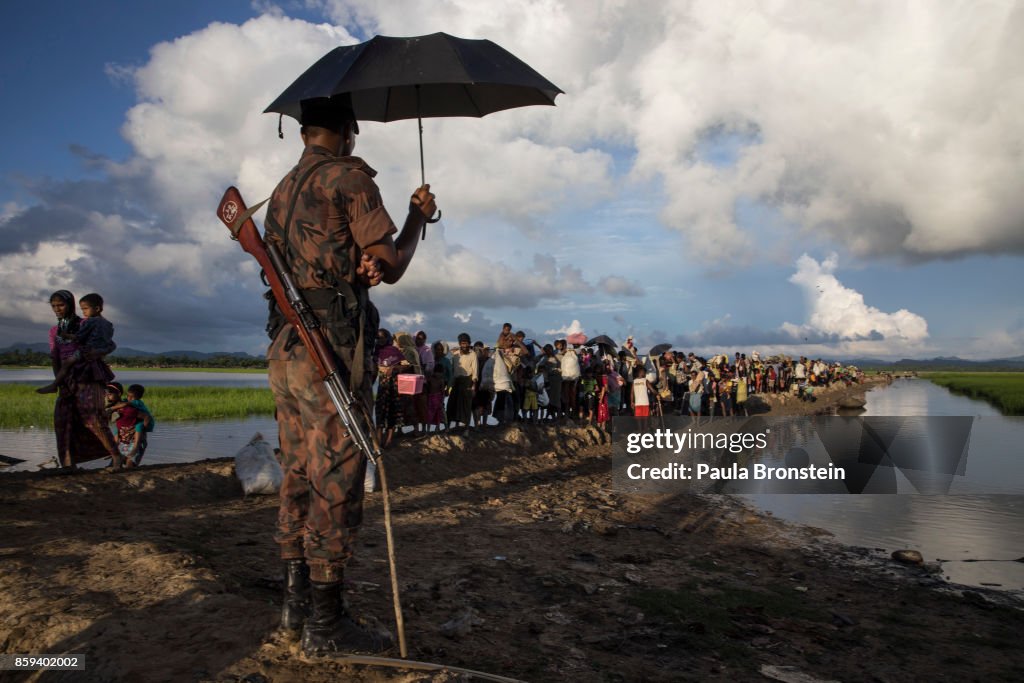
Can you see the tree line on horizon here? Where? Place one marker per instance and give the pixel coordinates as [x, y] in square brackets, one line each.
[26, 357]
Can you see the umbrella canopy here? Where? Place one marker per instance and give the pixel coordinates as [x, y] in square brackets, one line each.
[659, 349]
[576, 338]
[389, 79]
[603, 342]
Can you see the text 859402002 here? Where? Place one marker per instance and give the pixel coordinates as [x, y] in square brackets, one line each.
[37, 662]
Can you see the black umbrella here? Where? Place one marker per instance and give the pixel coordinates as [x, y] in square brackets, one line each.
[604, 342]
[389, 79]
[659, 349]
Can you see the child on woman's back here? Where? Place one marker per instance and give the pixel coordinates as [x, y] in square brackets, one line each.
[94, 338]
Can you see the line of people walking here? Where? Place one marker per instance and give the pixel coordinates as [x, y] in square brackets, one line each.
[517, 379]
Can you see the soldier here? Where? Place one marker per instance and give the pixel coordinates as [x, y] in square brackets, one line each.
[328, 220]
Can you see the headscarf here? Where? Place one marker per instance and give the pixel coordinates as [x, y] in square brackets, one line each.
[72, 321]
[408, 348]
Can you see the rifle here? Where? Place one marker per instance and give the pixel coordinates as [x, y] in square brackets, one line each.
[233, 213]
[238, 219]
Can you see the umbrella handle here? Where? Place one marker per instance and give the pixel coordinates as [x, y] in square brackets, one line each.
[423, 175]
[430, 220]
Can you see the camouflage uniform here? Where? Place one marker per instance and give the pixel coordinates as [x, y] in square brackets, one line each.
[338, 213]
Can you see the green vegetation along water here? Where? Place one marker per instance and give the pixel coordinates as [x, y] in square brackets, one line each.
[21, 406]
[1005, 390]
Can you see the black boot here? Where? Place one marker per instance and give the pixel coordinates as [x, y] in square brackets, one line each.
[330, 630]
[296, 596]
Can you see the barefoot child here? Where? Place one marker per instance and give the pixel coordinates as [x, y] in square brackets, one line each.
[94, 338]
[134, 422]
[435, 398]
[530, 403]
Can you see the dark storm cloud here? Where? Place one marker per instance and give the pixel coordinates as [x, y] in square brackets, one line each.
[150, 310]
[745, 335]
[616, 285]
[66, 210]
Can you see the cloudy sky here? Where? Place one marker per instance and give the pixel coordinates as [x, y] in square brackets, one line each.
[821, 178]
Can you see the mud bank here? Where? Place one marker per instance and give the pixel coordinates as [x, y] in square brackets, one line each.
[515, 557]
[826, 399]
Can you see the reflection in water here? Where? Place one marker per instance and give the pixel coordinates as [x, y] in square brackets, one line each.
[951, 527]
[170, 442]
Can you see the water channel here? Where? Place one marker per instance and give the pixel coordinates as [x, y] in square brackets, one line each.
[947, 527]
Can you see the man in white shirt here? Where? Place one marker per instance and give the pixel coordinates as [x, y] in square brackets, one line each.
[800, 370]
[570, 363]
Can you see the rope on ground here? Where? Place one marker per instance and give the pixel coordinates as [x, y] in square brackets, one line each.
[424, 666]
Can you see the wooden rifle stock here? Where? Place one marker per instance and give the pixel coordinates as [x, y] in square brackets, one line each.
[231, 208]
[234, 214]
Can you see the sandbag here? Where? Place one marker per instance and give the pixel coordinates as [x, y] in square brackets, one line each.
[257, 468]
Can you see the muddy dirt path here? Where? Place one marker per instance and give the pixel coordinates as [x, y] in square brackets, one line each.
[515, 557]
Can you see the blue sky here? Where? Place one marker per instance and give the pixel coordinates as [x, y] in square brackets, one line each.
[783, 179]
[56, 90]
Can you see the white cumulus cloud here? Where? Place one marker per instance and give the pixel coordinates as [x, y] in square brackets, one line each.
[886, 127]
[835, 309]
[575, 327]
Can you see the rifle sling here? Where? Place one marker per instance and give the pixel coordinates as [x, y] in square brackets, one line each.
[321, 298]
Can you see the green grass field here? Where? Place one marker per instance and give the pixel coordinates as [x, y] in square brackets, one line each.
[21, 406]
[130, 368]
[1005, 390]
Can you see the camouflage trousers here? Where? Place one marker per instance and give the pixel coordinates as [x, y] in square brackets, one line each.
[321, 504]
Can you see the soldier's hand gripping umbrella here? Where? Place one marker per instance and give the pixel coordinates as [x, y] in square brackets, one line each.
[437, 75]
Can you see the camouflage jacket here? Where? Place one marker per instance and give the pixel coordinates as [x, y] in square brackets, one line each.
[338, 213]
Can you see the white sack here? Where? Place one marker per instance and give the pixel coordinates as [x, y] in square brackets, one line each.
[257, 467]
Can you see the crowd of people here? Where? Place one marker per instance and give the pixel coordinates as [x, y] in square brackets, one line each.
[430, 387]
[518, 379]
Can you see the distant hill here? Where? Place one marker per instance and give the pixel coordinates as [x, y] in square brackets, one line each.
[947, 364]
[191, 355]
[128, 352]
[42, 347]
[941, 363]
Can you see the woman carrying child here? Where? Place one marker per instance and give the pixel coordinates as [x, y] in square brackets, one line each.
[79, 419]
[81, 349]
